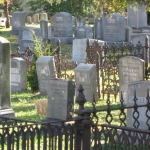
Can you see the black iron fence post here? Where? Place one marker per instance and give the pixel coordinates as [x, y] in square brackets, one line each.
[82, 123]
[87, 129]
[78, 120]
[147, 57]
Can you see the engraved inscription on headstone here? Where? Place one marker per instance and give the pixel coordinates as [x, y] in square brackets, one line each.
[60, 99]
[130, 69]
[141, 88]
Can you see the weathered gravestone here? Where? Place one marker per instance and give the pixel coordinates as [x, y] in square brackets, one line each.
[35, 18]
[98, 29]
[18, 20]
[43, 16]
[24, 44]
[141, 88]
[130, 69]
[113, 28]
[83, 32]
[60, 99]
[45, 70]
[79, 49]
[5, 101]
[62, 28]
[134, 18]
[44, 29]
[29, 20]
[86, 75]
[136, 37]
[18, 75]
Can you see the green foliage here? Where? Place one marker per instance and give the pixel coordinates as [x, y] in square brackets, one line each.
[15, 5]
[84, 7]
[40, 49]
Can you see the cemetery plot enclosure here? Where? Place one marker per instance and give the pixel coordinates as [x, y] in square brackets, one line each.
[84, 132]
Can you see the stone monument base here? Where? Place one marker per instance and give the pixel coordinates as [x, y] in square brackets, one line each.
[63, 40]
[7, 112]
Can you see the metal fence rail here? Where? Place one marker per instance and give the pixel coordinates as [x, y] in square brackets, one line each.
[35, 136]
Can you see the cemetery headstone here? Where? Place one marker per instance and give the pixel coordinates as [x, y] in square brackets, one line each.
[35, 18]
[44, 29]
[24, 44]
[18, 20]
[98, 29]
[79, 49]
[18, 75]
[86, 75]
[62, 28]
[113, 28]
[5, 87]
[130, 69]
[134, 18]
[43, 16]
[141, 88]
[46, 70]
[29, 20]
[2, 21]
[60, 99]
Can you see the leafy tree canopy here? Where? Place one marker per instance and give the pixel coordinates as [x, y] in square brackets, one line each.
[85, 7]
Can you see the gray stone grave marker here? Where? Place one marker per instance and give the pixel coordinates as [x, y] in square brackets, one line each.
[24, 44]
[5, 101]
[44, 29]
[130, 69]
[18, 20]
[60, 99]
[79, 49]
[18, 75]
[134, 18]
[43, 16]
[141, 88]
[62, 24]
[86, 75]
[45, 70]
[113, 28]
[35, 18]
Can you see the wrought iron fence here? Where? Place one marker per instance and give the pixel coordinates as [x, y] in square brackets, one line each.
[106, 59]
[88, 130]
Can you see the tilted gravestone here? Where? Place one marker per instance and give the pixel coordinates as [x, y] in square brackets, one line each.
[79, 49]
[86, 75]
[18, 75]
[134, 18]
[60, 99]
[18, 20]
[44, 29]
[5, 87]
[45, 68]
[113, 28]
[141, 88]
[130, 69]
